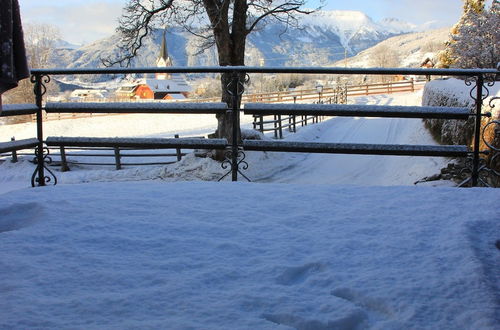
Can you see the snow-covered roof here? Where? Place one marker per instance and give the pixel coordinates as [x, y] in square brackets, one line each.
[174, 85]
[177, 96]
[89, 92]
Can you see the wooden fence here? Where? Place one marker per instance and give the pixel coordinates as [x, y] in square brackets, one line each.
[328, 95]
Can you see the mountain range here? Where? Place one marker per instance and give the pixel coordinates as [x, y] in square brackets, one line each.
[323, 38]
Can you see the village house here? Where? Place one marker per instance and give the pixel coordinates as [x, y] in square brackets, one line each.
[427, 63]
[85, 94]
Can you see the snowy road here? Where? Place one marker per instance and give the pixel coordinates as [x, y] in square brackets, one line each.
[362, 169]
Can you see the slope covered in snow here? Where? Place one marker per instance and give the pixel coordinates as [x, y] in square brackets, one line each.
[353, 27]
[408, 50]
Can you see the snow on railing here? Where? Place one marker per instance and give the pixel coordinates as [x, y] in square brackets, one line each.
[478, 79]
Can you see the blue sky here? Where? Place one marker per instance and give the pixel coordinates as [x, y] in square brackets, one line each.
[82, 21]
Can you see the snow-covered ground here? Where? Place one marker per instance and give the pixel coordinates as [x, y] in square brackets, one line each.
[155, 254]
[204, 255]
[357, 169]
[263, 167]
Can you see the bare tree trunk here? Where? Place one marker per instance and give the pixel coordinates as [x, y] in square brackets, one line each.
[230, 42]
[228, 27]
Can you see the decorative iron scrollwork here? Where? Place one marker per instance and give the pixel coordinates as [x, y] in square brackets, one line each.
[488, 169]
[240, 88]
[39, 81]
[490, 136]
[241, 164]
[46, 160]
[484, 173]
[482, 169]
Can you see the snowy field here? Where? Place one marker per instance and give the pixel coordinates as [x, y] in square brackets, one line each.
[139, 249]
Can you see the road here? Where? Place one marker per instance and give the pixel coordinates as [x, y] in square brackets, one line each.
[358, 169]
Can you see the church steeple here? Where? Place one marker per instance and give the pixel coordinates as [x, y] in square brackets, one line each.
[163, 59]
[163, 49]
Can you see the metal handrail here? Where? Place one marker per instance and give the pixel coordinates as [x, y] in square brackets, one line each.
[479, 79]
[255, 69]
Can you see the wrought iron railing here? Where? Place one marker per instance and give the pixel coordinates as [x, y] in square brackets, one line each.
[480, 80]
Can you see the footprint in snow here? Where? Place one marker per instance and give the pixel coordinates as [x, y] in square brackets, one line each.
[19, 215]
[296, 275]
[352, 321]
[370, 304]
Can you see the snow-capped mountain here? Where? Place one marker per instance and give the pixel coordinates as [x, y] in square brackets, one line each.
[408, 50]
[324, 37]
[59, 43]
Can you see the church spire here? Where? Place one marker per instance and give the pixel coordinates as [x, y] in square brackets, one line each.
[163, 49]
[163, 60]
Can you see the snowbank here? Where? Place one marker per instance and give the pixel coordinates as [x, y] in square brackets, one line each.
[454, 93]
[155, 255]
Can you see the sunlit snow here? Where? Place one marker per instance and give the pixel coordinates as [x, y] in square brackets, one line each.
[93, 253]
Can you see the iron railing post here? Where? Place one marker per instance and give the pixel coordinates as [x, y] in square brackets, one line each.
[235, 124]
[477, 130]
[38, 88]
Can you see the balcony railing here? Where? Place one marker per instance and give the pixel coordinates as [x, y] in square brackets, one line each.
[483, 163]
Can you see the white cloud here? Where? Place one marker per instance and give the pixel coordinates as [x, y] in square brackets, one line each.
[446, 12]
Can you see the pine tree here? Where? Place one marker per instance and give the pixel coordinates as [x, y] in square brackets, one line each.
[474, 39]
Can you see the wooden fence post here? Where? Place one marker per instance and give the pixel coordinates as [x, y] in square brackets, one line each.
[64, 162]
[280, 127]
[14, 152]
[178, 150]
[275, 123]
[118, 162]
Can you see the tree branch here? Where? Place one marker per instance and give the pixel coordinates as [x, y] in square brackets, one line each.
[135, 25]
[287, 9]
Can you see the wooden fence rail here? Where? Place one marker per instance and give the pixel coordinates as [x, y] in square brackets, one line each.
[328, 95]
[64, 156]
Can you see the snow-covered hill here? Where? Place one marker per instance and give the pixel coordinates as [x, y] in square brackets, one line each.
[408, 50]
